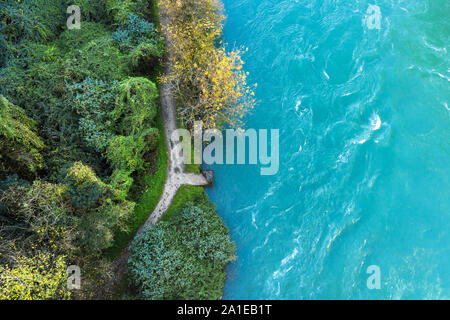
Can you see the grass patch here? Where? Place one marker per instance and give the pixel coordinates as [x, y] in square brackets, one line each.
[149, 200]
[189, 168]
[185, 194]
[192, 167]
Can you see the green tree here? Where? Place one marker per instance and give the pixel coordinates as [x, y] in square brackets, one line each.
[19, 145]
[183, 257]
[137, 105]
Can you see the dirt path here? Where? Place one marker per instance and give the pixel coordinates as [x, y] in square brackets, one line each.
[176, 175]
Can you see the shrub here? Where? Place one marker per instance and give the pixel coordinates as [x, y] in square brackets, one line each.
[93, 101]
[134, 32]
[77, 216]
[182, 258]
[145, 58]
[91, 10]
[73, 86]
[101, 210]
[41, 277]
[97, 228]
[84, 189]
[36, 20]
[125, 152]
[185, 194]
[17, 126]
[75, 39]
[153, 184]
[38, 215]
[4, 54]
[126, 155]
[137, 105]
[12, 180]
[35, 78]
[19, 145]
[98, 59]
[122, 9]
[38, 85]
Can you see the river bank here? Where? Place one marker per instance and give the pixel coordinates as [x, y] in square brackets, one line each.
[176, 174]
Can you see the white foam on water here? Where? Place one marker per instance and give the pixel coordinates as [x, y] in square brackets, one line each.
[298, 104]
[290, 257]
[362, 141]
[375, 122]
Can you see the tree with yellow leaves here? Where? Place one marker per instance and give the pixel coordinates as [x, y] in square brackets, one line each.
[42, 277]
[209, 81]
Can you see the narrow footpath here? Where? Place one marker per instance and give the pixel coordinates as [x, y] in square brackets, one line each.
[176, 175]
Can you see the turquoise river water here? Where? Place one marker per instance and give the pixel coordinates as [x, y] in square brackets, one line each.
[364, 178]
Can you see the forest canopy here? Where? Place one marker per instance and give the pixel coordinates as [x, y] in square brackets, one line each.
[82, 153]
[77, 126]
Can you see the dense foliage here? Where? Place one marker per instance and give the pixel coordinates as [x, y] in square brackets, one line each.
[19, 145]
[183, 257]
[77, 117]
[40, 277]
[80, 142]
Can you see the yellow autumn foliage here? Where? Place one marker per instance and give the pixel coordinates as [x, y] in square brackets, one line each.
[42, 277]
[208, 80]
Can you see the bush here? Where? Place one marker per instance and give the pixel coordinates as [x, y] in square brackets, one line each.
[17, 126]
[101, 209]
[126, 152]
[77, 38]
[98, 59]
[36, 20]
[126, 155]
[93, 101]
[4, 54]
[122, 9]
[84, 189]
[20, 145]
[77, 216]
[36, 82]
[153, 184]
[97, 228]
[35, 78]
[137, 106]
[134, 32]
[41, 277]
[182, 258]
[73, 86]
[39, 216]
[145, 58]
[91, 10]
